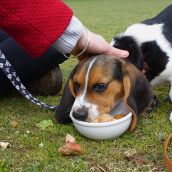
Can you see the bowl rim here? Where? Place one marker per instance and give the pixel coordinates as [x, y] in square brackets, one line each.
[103, 124]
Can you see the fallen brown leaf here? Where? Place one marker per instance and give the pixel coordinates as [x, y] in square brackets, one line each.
[70, 149]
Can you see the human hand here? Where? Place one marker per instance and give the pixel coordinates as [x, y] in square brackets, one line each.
[97, 45]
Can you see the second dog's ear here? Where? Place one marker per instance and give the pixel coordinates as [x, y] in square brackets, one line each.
[128, 43]
[138, 93]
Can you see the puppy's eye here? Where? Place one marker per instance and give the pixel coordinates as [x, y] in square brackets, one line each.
[99, 87]
[76, 86]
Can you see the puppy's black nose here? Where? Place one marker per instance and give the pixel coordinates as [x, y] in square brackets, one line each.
[81, 113]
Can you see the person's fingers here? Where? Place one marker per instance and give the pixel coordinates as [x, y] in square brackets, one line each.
[98, 45]
[118, 52]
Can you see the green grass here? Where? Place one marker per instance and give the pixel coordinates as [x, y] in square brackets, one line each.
[137, 151]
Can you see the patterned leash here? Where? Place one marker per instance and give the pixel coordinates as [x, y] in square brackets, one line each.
[10, 72]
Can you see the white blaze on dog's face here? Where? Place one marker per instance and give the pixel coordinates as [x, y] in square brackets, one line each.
[97, 86]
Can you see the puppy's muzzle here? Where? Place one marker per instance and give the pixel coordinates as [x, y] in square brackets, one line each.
[80, 113]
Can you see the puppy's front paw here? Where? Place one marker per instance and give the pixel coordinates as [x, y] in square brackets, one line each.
[154, 105]
[168, 99]
[62, 117]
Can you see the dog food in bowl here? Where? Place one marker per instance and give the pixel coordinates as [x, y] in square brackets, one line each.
[107, 118]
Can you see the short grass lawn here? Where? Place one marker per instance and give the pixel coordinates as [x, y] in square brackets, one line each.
[35, 150]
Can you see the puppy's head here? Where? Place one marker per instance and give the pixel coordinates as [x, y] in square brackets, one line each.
[98, 84]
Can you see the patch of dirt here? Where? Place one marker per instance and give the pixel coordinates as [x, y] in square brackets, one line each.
[136, 158]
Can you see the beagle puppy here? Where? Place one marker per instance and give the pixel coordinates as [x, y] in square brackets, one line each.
[150, 47]
[99, 84]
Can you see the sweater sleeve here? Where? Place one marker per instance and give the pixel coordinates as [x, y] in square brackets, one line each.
[68, 40]
[34, 24]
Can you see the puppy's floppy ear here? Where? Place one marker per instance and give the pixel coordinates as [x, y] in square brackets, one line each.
[66, 102]
[138, 93]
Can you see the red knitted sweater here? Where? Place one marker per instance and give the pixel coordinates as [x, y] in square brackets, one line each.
[34, 24]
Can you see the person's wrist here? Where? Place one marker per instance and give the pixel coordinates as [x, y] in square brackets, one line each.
[83, 40]
[82, 44]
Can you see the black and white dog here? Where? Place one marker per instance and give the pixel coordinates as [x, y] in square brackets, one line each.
[150, 46]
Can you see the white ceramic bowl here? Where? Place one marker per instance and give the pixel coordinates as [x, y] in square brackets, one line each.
[106, 130]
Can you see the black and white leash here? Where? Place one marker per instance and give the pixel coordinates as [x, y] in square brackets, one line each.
[10, 72]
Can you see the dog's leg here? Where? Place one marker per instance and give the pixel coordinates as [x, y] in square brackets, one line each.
[154, 105]
[170, 117]
[170, 92]
[169, 97]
